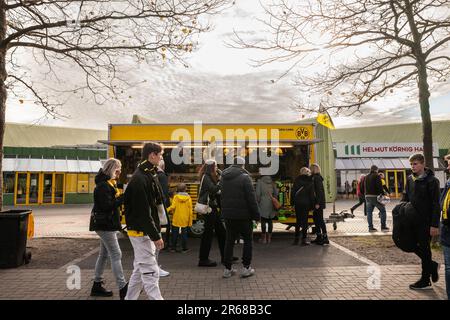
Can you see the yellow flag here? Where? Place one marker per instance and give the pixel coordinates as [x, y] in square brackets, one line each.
[324, 119]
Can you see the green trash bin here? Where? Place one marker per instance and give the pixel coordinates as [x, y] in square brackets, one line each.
[13, 238]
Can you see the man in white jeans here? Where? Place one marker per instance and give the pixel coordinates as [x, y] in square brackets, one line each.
[142, 198]
[146, 270]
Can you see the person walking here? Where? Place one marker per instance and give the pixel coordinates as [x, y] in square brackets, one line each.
[239, 210]
[209, 194]
[347, 189]
[422, 190]
[383, 184]
[142, 198]
[354, 185]
[163, 180]
[105, 221]
[319, 206]
[182, 217]
[445, 226]
[373, 187]
[303, 200]
[360, 194]
[265, 190]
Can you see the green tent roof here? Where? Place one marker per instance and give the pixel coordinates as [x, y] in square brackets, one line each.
[24, 135]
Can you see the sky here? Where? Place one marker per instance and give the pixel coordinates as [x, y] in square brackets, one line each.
[220, 85]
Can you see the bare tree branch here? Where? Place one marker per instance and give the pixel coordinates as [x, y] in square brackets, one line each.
[373, 48]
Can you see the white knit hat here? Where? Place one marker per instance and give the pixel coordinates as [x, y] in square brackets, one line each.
[239, 160]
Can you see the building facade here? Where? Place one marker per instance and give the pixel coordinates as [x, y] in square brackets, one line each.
[50, 165]
[389, 148]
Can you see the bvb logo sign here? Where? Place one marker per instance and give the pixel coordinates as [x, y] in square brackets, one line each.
[302, 133]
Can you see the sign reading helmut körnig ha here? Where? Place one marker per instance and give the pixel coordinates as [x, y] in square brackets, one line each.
[380, 150]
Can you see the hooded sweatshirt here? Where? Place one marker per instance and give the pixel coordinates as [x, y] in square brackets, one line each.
[107, 201]
[423, 192]
[238, 196]
[182, 210]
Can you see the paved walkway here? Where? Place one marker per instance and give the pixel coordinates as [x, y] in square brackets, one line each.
[73, 220]
[341, 283]
[283, 272]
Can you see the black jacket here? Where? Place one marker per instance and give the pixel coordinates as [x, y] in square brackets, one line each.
[105, 215]
[238, 197]
[164, 182]
[423, 193]
[319, 190]
[373, 185]
[209, 189]
[406, 223]
[303, 196]
[142, 197]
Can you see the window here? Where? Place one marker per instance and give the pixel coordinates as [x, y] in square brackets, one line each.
[8, 182]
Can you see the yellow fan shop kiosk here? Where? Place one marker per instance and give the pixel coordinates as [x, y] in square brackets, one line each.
[283, 147]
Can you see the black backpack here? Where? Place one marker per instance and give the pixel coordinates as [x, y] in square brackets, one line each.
[405, 224]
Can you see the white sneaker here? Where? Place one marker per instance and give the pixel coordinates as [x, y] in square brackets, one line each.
[163, 273]
[247, 272]
[227, 273]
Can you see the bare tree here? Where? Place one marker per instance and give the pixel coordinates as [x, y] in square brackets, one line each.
[99, 37]
[373, 47]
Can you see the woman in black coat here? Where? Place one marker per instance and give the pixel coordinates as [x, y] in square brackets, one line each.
[209, 194]
[105, 221]
[303, 201]
[319, 193]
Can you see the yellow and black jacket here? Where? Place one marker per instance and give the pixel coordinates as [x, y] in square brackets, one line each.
[142, 196]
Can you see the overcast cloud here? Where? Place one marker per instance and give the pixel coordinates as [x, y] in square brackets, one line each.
[219, 86]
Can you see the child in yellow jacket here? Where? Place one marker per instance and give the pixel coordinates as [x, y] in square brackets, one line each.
[182, 217]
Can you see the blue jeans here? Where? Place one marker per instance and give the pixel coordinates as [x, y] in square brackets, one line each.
[184, 237]
[371, 204]
[447, 269]
[109, 248]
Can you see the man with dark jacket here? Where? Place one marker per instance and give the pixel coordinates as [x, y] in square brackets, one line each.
[373, 188]
[142, 198]
[422, 190]
[163, 180]
[239, 208]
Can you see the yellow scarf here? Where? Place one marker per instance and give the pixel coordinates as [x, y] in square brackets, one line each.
[113, 183]
[446, 205]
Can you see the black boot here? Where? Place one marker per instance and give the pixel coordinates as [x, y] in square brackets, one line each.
[99, 291]
[325, 240]
[123, 292]
[318, 239]
[296, 240]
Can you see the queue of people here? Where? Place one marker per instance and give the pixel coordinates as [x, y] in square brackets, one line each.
[234, 206]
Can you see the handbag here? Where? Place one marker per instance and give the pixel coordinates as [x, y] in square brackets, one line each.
[276, 204]
[162, 215]
[202, 208]
[383, 199]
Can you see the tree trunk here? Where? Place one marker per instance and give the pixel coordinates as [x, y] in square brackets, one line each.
[3, 93]
[424, 92]
[427, 128]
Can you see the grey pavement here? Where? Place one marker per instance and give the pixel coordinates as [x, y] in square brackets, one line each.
[283, 272]
[73, 220]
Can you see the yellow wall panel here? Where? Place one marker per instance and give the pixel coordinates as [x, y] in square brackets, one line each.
[83, 183]
[71, 182]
